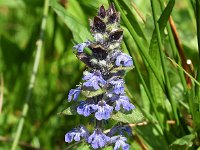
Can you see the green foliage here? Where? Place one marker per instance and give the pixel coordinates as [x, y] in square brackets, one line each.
[73, 23]
[157, 85]
[184, 142]
[135, 116]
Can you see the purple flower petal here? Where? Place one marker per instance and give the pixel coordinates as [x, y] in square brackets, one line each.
[76, 134]
[93, 80]
[120, 141]
[124, 102]
[118, 85]
[85, 108]
[80, 47]
[124, 60]
[73, 94]
[103, 111]
[98, 139]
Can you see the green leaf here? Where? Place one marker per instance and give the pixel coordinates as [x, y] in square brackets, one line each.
[89, 94]
[74, 8]
[153, 49]
[121, 68]
[186, 140]
[134, 116]
[155, 87]
[145, 99]
[69, 111]
[108, 148]
[82, 146]
[165, 16]
[79, 31]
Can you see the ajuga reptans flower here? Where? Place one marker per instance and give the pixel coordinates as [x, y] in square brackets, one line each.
[104, 80]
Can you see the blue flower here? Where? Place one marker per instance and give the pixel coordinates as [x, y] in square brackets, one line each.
[118, 85]
[76, 134]
[93, 80]
[128, 130]
[123, 59]
[98, 139]
[86, 108]
[73, 94]
[121, 130]
[120, 141]
[80, 47]
[124, 101]
[103, 111]
[110, 96]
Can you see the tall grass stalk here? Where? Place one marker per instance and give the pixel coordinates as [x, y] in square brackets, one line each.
[33, 76]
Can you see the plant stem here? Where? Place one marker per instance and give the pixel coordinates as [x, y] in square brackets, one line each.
[167, 85]
[39, 44]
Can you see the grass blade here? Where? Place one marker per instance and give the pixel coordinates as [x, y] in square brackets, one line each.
[167, 86]
[33, 76]
[191, 77]
[174, 50]
[154, 53]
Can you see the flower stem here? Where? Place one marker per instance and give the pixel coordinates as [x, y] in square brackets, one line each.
[39, 44]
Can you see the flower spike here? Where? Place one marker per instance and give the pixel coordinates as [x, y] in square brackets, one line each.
[103, 82]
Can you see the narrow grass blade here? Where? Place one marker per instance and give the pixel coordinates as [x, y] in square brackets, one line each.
[160, 48]
[33, 76]
[155, 55]
[177, 65]
[174, 49]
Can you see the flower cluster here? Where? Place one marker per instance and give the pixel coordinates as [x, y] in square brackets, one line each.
[103, 80]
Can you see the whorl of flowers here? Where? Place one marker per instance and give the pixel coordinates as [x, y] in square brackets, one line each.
[104, 79]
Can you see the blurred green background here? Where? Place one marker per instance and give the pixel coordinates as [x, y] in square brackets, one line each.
[59, 69]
